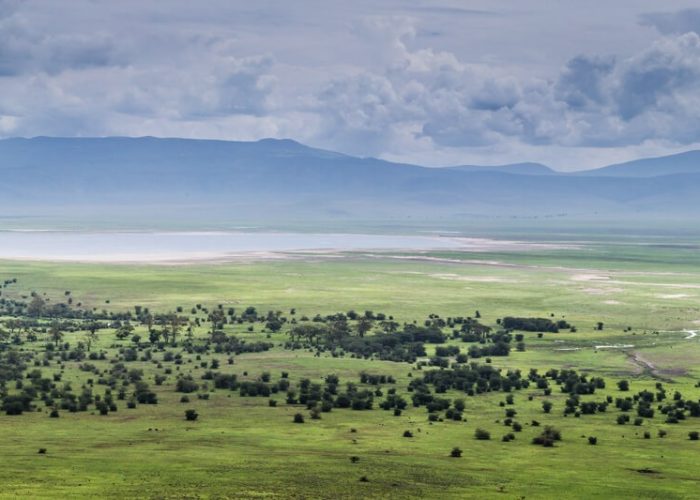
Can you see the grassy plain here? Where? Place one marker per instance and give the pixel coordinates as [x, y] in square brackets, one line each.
[241, 448]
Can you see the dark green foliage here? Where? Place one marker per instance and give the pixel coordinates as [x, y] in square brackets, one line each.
[143, 394]
[446, 351]
[102, 407]
[254, 389]
[17, 404]
[533, 324]
[225, 381]
[367, 378]
[334, 333]
[482, 434]
[622, 419]
[186, 384]
[470, 379]
[548, 437]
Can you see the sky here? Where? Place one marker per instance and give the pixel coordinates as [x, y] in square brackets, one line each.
[570, 83]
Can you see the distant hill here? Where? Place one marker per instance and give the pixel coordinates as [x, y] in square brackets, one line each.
[682, 163]
[515, 168]
[283, 180]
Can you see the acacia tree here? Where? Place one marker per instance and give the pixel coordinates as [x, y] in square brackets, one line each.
[125, 330]
[36, 306]
[364, 325]
[176, 323]
[389, 326]
[217, 318]
[154, 336]
[55, 332]
[90, 337]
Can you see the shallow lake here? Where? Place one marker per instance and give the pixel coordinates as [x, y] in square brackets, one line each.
[147, 246]
[184, 246]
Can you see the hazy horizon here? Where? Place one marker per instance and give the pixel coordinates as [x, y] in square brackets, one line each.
[523, 161]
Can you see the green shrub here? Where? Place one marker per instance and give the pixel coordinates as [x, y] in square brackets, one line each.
[482, 435]
[548, 437]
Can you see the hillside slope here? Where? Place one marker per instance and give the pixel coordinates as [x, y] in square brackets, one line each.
[682, 163]
[285, 179]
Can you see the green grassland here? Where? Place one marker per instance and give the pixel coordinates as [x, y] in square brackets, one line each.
[239, 447]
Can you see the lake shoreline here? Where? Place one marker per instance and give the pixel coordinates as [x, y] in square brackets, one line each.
[220, 246]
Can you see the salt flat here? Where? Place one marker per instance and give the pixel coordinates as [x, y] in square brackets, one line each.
[118, 246]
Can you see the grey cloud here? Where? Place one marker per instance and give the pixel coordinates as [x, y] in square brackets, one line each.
[679, 22]
[8, 7]
[582, 81]
[451, 10]
[595, 101]
[496, 94]
[360, 110]
[670, 67]
[78, 52]
[24, 49]
[234, 86]
[364, 84]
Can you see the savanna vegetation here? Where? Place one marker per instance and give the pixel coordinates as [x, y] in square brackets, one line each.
[439, 390]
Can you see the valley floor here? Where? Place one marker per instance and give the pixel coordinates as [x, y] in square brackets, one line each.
[636, 309]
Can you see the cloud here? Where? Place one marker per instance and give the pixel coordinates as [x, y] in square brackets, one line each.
[594, 101]
[424, 93]
[25, 49]
[581, 83]
[658, 77]
[452, 11]
[9, 7]
[228, 87]
[361, 109]
[368, 85]
[669, 23]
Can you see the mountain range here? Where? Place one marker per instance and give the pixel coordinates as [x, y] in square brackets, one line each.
[285, 180]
